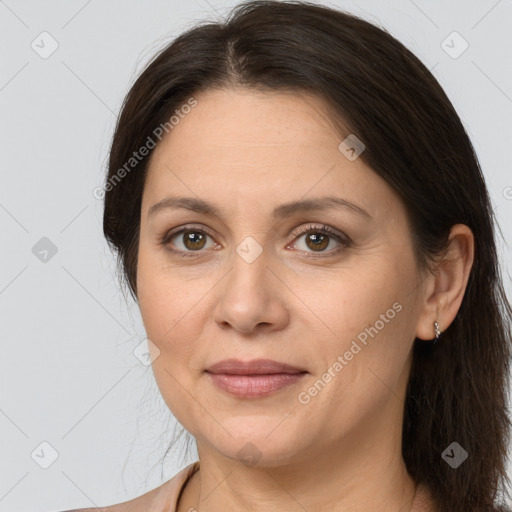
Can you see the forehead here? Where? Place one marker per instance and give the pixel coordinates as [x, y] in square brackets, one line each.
[245, 120]
[246, 145]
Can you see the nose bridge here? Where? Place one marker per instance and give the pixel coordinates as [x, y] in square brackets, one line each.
[248, 275]
[248, 295]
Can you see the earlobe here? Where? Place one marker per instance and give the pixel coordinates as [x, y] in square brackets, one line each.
[447, 285]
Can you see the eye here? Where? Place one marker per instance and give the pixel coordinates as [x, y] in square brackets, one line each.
[317, 238]
[192, 239]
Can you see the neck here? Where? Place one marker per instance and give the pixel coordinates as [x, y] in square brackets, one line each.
[342, 479]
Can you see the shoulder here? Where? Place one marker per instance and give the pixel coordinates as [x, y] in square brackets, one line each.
[162, 498]
[126, 506]
[104, 509]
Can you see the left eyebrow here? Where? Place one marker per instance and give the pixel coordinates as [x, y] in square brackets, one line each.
[319, 203]
[281, 211]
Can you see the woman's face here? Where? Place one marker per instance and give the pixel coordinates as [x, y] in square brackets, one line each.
[244, 283]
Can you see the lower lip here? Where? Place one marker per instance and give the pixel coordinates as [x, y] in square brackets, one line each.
[250, 386]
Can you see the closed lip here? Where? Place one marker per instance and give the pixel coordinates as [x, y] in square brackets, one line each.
[254, 367]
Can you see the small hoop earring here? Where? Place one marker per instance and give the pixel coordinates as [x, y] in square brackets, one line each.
[437, 332]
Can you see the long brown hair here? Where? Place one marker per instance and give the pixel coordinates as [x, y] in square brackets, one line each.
[414, 139]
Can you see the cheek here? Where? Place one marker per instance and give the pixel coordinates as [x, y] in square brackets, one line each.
[366, 322]
[351, 301]
[359, 369]
[168, 306]
[168, 309]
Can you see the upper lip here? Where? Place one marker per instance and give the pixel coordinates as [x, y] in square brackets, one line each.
[254, 367]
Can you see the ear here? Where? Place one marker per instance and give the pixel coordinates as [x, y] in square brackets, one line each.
[444, 290]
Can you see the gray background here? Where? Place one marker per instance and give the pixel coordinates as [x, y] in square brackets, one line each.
[68, 375]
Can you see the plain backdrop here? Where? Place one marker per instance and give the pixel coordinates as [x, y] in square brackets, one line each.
[81, 420]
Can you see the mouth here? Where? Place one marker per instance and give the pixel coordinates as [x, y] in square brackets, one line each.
[251, 379]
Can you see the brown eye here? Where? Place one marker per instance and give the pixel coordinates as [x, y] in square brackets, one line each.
[193, 240]
[317, 241]
[186, 240]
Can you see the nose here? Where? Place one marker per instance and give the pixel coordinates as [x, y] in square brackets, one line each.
[252, 297]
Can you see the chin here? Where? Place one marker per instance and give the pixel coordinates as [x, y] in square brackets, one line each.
[260, 444]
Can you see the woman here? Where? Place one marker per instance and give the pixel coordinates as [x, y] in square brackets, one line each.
[301, 217]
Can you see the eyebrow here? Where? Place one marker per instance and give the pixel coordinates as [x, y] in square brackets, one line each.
[281, 211]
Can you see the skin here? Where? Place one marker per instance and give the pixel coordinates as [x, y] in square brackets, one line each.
[248, 152]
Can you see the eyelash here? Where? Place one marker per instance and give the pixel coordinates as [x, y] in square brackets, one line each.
[344, 240]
